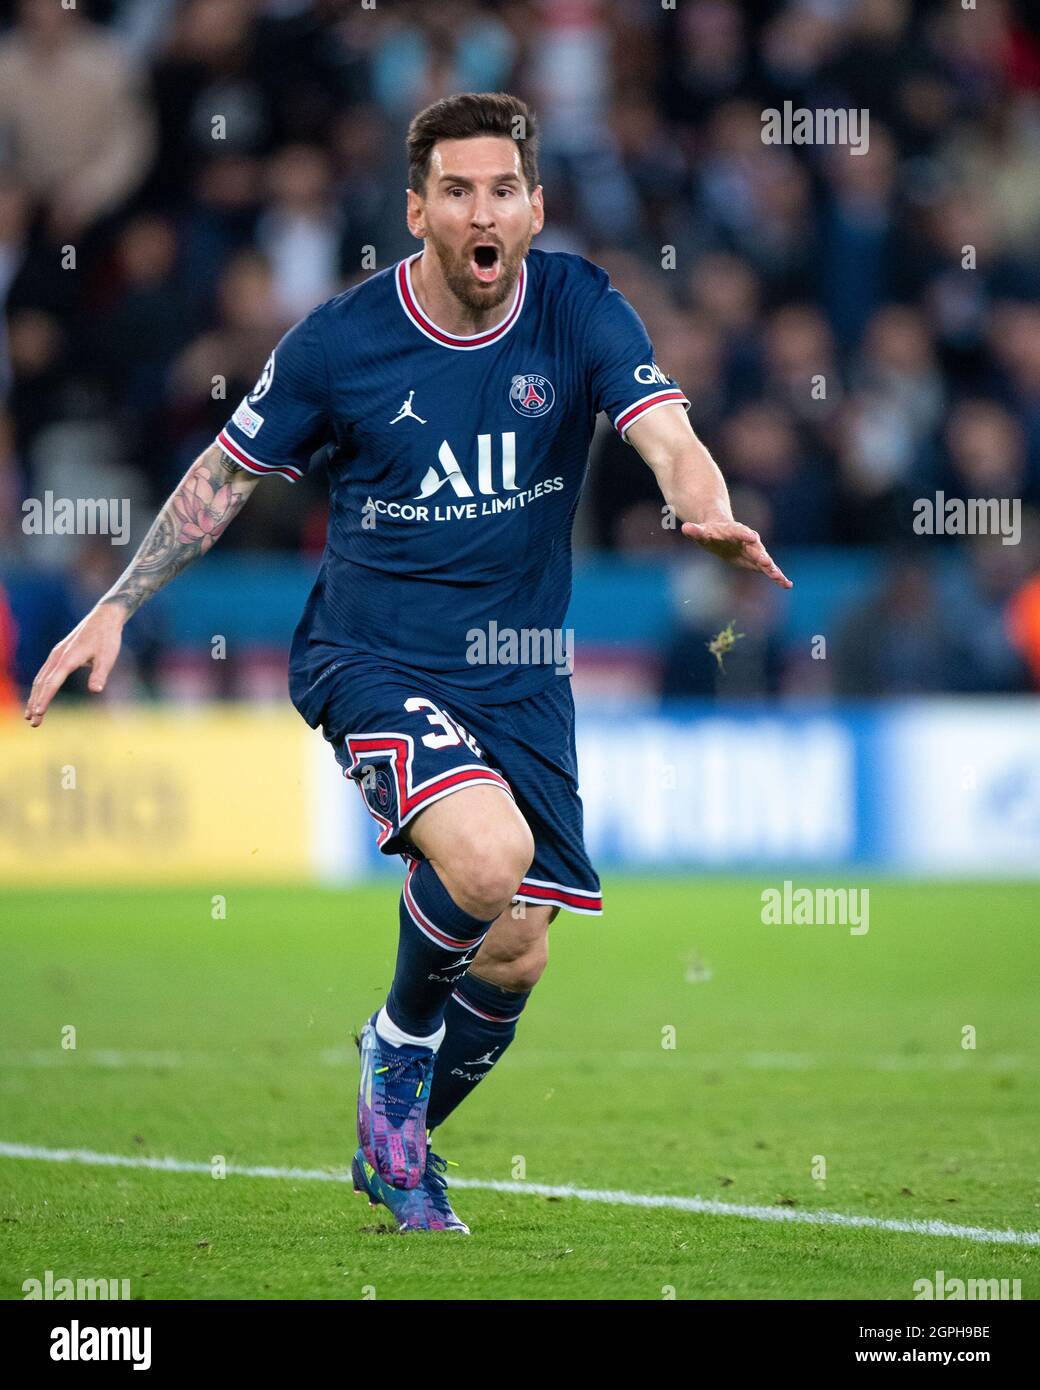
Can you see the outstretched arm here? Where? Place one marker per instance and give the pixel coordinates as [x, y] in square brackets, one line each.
[691, 483]
[199, 509]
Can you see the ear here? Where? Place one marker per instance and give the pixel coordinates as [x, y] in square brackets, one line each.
[538, 207]
[415, 214]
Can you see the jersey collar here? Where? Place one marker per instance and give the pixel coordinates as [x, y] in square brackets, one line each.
[426, 325]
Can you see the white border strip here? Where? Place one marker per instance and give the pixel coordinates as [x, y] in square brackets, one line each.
[465, 342]
[670, 395]
[246, 459]
[705, 1206]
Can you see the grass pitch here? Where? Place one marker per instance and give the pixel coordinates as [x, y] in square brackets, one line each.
[197, 1038]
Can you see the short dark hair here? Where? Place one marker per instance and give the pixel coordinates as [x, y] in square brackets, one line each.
[466, 115]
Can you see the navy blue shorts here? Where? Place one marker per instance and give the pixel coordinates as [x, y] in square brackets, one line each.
[406, 747]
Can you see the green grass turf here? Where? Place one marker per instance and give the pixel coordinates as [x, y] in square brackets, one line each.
[801, 1041]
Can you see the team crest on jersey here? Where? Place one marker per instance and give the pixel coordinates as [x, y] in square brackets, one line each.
[531, 395]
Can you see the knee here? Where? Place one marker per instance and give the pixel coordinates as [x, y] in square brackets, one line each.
[486, 871]
[516, 965]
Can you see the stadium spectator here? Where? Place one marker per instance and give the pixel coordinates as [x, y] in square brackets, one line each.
[84, 149]
[301, 230]
[8, 644]
[1023, 620]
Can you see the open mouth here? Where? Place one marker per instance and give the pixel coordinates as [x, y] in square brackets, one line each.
[485, 263]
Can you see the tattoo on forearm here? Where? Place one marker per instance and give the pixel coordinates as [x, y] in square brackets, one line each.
[199, 510]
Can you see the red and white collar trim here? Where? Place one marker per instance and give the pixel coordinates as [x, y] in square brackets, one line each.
[426, 325]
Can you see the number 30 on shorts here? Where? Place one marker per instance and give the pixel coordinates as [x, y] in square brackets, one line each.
[452, 732]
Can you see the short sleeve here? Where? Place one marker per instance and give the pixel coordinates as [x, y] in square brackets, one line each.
[625, 380]
[285, 418]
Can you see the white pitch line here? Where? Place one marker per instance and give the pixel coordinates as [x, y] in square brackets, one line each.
[755, 1061]
[705, 1206]
[117, 1059]
[95, 1057]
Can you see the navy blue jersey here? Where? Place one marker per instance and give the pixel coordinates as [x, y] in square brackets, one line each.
[455, 466]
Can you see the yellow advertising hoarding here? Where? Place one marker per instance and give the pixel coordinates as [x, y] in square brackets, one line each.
[124, 794]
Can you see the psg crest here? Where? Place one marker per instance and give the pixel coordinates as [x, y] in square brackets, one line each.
[383, 790]
[531, 395]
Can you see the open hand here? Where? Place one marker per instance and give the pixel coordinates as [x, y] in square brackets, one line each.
[737, 544]
[94, 642]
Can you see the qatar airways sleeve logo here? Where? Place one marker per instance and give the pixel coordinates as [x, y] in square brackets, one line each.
[650, 374]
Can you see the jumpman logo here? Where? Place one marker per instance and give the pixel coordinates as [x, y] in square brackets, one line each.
[406, 410]
[487, 1060]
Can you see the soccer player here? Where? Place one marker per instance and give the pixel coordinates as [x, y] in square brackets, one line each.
[453, 398]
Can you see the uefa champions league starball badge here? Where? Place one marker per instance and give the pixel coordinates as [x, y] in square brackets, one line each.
[264, 381]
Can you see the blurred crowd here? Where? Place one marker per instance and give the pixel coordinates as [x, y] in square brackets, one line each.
[854, 330]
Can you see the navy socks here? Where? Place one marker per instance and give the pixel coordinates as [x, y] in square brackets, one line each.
[436, 947]
[481, 1021]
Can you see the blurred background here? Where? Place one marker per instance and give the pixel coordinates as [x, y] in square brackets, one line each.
[855, 332]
